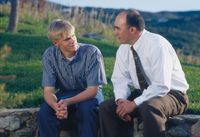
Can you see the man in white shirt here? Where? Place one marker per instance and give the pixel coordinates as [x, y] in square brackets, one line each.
[165, 93]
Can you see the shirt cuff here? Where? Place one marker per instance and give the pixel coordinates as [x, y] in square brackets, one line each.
[119, 97]
[139, 100]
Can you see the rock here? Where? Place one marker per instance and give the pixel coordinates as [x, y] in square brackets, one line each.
[3, 133]
[24, 116]
[22, 123]
[176, 120]
[190, 118]
[195, 130]
[177, 132]
[3, 123]
[13, 123]
[25, 132]
[10, 123]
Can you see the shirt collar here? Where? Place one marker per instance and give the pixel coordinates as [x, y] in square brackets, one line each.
[76, 56]
[138, 42]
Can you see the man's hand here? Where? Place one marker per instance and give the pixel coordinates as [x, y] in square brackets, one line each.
[51, 99]
[126, 118]
[63, 103]
[62, 114]
[62, 111]
[124, 108]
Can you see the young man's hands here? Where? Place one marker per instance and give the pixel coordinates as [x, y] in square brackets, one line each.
[61, 110]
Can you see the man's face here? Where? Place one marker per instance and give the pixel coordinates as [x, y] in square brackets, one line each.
[68, 43]
[121, 30]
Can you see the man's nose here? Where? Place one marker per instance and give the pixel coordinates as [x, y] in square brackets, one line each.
[71, 40]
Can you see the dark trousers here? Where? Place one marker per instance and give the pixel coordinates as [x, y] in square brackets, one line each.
[154, 114]
[82, 119]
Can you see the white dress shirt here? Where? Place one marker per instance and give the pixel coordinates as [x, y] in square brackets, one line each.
[160, 64]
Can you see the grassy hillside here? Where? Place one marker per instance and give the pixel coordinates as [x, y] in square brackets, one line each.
[180, 28]
[21, 68]
[20, 71]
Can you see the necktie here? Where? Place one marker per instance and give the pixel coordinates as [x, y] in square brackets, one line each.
[142, 78]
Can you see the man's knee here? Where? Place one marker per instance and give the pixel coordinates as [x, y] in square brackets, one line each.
[88, 107]
[107, 105]
[150, 107]
[103, 105]
[44, 112]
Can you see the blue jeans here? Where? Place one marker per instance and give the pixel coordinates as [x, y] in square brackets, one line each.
[82, 119]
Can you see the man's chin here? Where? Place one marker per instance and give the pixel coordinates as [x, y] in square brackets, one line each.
[74, 49]
[118, 41]
[121, 42]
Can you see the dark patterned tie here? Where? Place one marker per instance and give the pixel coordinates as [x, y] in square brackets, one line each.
[142, 78]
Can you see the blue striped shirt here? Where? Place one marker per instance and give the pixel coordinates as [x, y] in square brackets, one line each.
[84, 70]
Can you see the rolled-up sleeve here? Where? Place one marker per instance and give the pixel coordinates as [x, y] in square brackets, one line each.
[48, 77]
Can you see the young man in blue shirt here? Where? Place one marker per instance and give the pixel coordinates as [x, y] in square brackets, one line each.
[73, 74]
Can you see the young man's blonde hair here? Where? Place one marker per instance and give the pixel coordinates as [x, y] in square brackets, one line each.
[58, 28]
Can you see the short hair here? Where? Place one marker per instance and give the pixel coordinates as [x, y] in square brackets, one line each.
[135, 19]
[58, 28]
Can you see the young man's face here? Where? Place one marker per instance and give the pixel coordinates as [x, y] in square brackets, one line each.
[68, 43]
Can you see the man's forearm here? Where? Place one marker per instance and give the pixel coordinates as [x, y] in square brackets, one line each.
[50, 98]
[90, 92]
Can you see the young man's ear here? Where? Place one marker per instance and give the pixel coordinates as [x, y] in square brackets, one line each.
[55, 42]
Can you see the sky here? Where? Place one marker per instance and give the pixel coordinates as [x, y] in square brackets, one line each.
[143, 5]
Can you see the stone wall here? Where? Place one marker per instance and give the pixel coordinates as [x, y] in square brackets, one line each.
[177, 126]
[22, 123]
[18, 122]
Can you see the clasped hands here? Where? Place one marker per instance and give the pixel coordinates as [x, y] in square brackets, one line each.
[124, 108]
[61, 109]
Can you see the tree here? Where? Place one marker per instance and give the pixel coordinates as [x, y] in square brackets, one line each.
[13, 20]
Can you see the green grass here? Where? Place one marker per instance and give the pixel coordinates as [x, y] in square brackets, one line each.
[22, 87]
[21, 68]
[193, 77]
